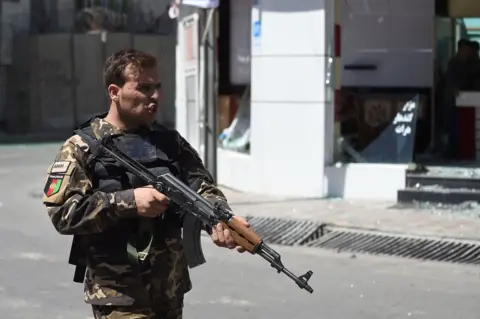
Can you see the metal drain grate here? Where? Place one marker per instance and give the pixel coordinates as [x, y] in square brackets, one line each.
[446, 250]
[284, 231]
[308, 233]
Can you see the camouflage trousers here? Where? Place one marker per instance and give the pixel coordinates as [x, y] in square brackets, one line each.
[122, 312]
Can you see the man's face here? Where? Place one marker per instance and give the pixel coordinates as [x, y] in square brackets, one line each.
[463, 51]
[137, 100]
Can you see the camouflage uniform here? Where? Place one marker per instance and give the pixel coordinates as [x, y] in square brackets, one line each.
[114, 287]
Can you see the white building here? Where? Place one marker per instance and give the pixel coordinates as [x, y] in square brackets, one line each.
[299, 50]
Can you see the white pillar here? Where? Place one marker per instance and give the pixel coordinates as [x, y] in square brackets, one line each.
[291, 107]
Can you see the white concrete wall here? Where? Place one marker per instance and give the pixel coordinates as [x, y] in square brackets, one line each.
[365, 181]
[14, 18]
[288, 105]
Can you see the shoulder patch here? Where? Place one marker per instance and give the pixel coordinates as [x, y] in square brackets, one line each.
[58, 178]
[53, 185]
[60, 167]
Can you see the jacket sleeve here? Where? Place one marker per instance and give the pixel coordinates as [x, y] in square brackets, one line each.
[196, 175]
[71, 204]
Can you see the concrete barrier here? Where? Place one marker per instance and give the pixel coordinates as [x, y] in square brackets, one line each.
[55, 80]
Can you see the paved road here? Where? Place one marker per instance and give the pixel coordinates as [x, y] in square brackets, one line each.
[35, 280]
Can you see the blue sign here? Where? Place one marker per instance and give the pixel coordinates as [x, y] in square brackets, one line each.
[257, 29]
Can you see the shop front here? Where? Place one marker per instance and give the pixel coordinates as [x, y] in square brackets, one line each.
[396, 54]
[383, 95]
[331, 98]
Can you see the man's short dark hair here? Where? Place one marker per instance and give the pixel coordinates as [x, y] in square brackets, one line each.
[463, 43]
[134, 60]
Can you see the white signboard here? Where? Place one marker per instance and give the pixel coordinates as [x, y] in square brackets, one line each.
[190, 54]
[190, 32]
[205, 4]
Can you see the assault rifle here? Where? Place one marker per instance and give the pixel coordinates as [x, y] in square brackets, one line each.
[198, 212]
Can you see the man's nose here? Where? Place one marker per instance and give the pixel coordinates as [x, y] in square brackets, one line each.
[155, 94]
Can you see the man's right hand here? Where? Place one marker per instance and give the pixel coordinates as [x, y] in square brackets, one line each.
[150, 203]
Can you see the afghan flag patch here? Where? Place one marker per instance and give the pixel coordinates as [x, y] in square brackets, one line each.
[53, 185]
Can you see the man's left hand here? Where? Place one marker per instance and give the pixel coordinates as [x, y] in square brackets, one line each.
[223, 237]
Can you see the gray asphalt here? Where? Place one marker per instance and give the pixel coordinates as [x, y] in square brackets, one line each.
[35, 279]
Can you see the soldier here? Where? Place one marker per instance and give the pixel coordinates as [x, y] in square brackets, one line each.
[89, 195]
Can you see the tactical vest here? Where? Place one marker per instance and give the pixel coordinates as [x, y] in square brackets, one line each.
[107, 175]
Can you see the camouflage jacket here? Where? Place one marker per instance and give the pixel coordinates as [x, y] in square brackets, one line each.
[75, 208]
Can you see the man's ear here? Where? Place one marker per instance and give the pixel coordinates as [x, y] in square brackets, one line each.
[113, 92]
